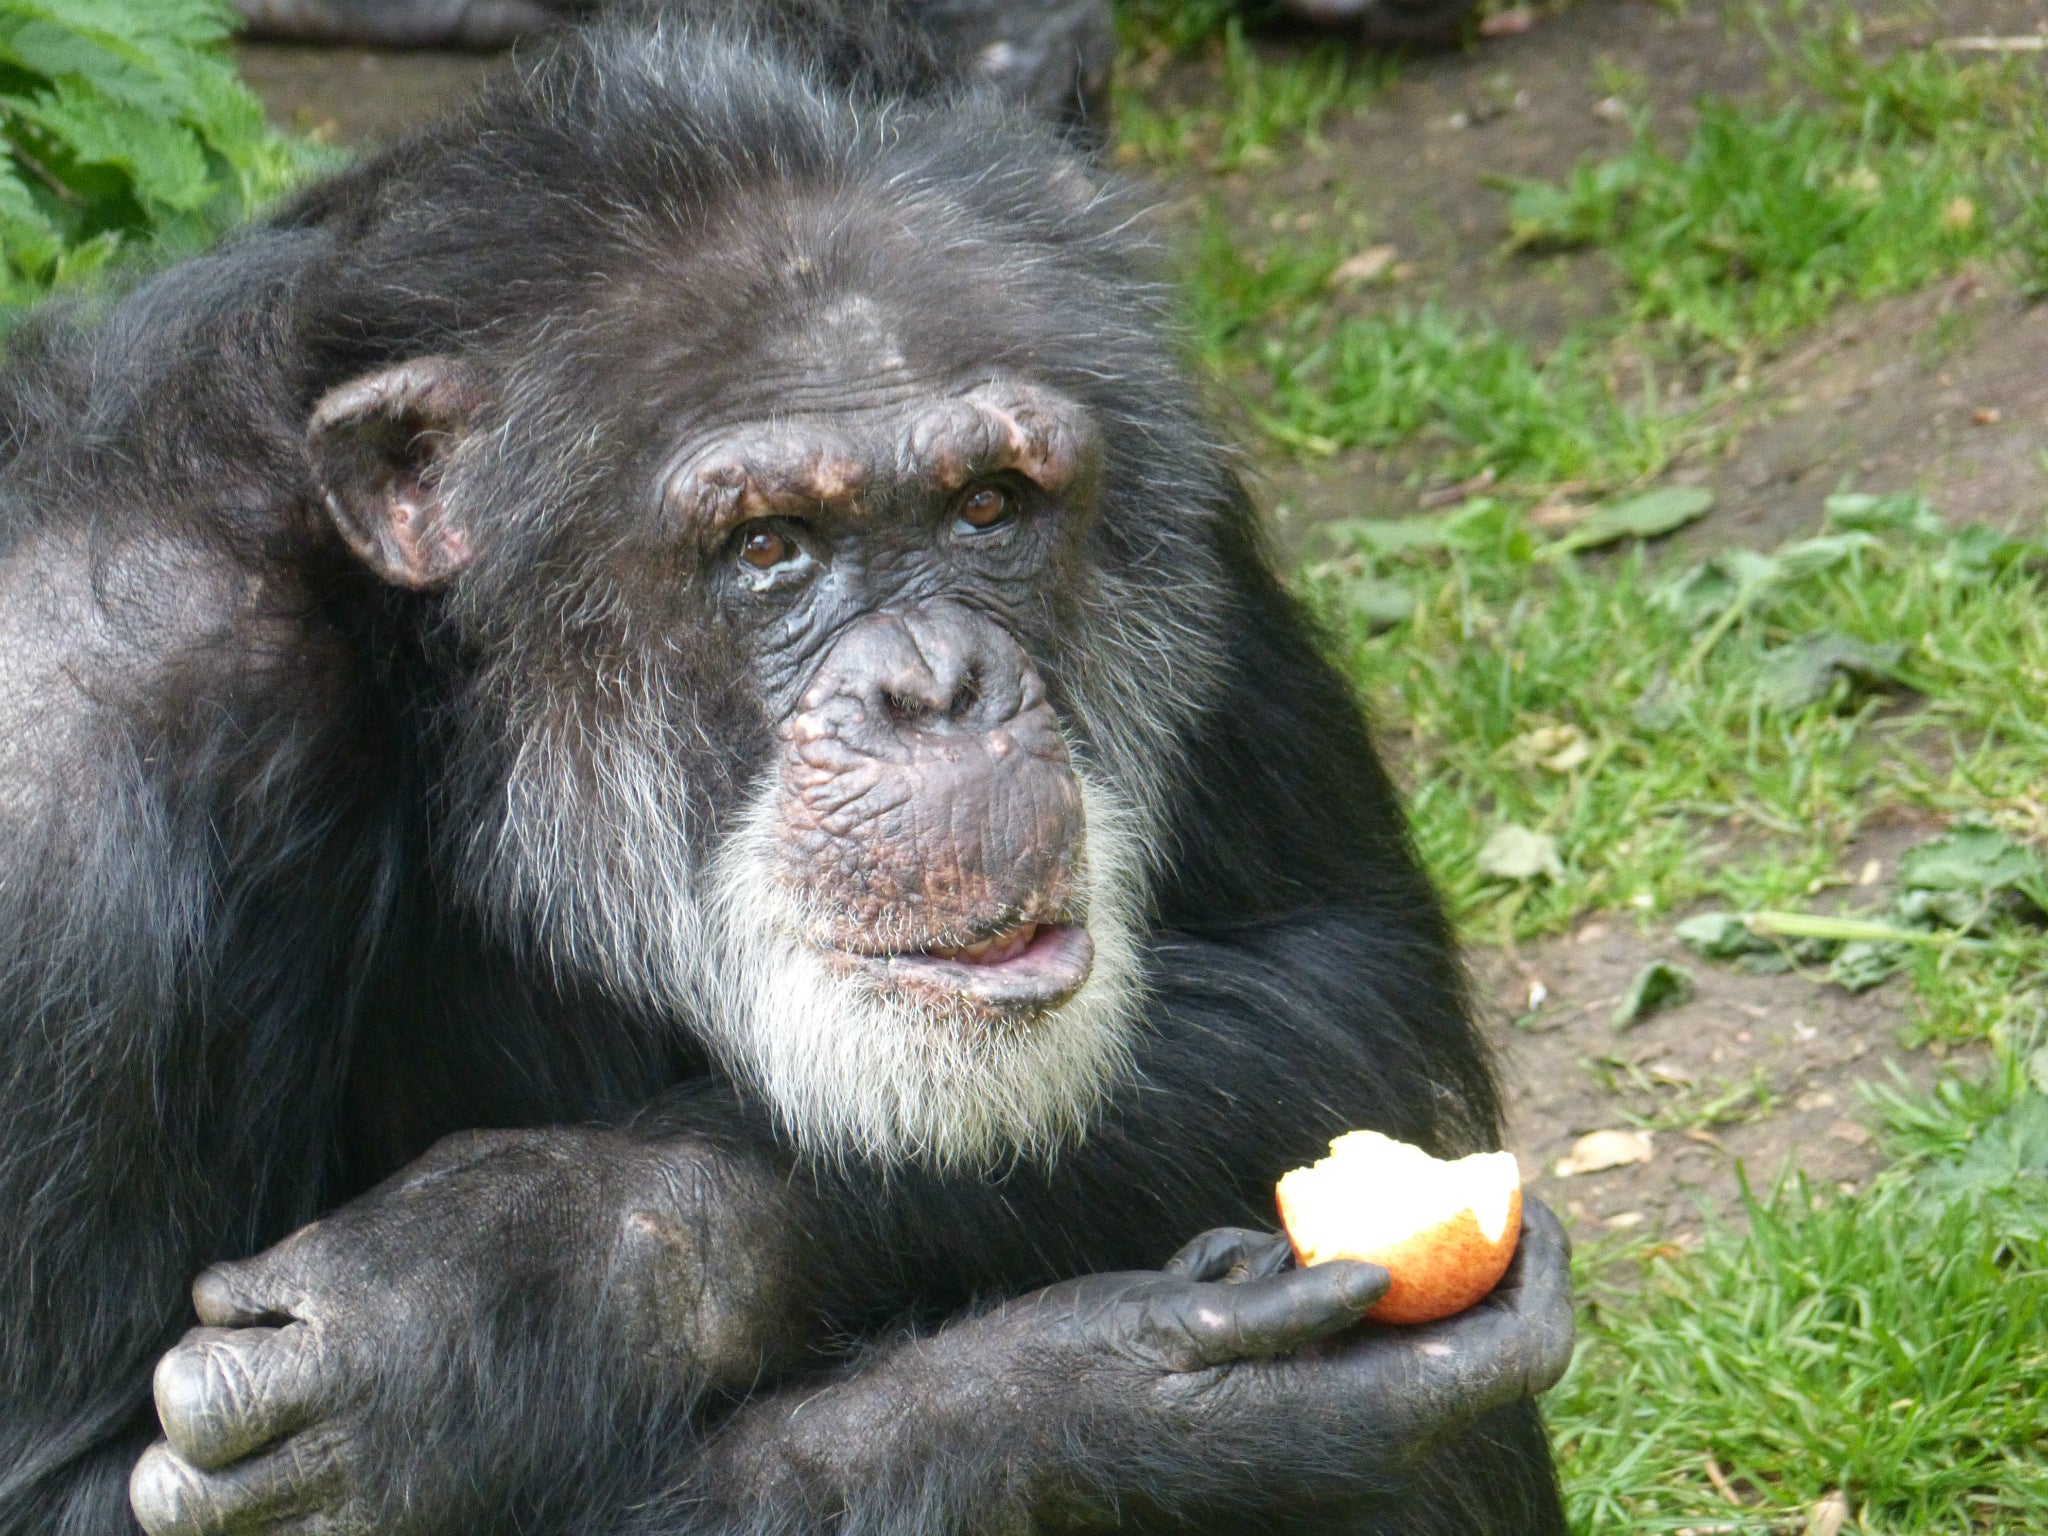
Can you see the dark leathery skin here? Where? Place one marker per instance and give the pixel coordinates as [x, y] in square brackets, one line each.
[928, 796]
[790, 468]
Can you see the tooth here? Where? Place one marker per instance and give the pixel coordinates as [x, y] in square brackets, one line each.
[994, 950]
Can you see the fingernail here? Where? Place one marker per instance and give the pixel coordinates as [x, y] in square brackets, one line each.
[1363, 1285]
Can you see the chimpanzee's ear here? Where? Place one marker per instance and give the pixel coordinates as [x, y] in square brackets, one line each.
[378, 444]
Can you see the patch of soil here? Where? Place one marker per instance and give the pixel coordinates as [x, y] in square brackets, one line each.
[1942, 391]
[1753, 1076]
[1571, 1072]
[361, 95]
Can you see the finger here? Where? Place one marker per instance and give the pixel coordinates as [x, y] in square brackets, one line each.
[1231, 1254]
[223, 1393]
[244, 1294]
[1542, 1247]
[1513, 1345]
[1541, 1266]
[1542, 1298]
[1276, 1314]
[171, 1497]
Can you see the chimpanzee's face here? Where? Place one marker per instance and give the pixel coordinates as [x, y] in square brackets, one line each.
[912, 926]
[923, 923]
[884, 569]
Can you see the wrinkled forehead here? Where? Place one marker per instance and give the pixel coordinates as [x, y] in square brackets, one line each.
[846, 345]
[928, 442]
[815, 352]
[848, 302]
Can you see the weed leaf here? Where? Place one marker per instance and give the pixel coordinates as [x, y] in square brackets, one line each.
[1657, 986]
[1978, 861]
[1907, 512]
[1806, 672]
[1648, 516]
[1516, 853]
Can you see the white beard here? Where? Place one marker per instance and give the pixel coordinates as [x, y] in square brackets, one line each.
[593, 846]
[854, 1069]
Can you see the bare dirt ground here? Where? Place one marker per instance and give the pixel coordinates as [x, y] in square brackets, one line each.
[1942, 390]
[360, 95]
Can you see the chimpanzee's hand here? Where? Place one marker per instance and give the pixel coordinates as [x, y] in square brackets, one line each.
[1265, 1374]
[355, 1376]
[1226, 1384]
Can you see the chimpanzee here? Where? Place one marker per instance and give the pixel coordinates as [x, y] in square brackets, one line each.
[658, 808]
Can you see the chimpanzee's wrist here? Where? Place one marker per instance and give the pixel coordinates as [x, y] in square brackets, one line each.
[930, 1424]
[682, 1220]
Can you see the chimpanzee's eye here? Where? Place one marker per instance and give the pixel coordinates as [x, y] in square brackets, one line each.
[765, 546]
[984, 506]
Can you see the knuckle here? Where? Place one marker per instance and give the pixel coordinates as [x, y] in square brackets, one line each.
[192, 1390]
[463, 1147]
[225, 1292]
[240, 1277]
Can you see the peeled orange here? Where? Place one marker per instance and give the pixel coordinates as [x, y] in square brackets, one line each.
[1444, 1231]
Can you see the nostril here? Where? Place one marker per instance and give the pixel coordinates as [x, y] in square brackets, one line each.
[966, 697]
[932, 702]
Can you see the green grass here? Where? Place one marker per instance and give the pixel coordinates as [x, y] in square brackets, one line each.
[1888, 1347]
[1251, 111]
[1859, 178]
[1472, 393]
[1460, 384]
[1875, 1346]
[1761, 224]
[1507, 639]
[1875, 178]
[1179, 26]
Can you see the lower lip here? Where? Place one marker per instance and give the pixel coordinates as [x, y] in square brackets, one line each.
[1043, 974]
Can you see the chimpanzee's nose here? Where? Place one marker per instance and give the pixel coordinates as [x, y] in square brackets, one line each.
[933, 669]
[929, 800]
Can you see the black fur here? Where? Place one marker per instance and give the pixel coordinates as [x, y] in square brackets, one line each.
[241, 977]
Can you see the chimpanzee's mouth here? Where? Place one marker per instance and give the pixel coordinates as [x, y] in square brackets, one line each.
[1029, 966]
[996, 949]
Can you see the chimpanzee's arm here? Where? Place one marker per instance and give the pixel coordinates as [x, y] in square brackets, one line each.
[1223, 1385]
[1128, 1400]
[149, 1049]
[598, 1277]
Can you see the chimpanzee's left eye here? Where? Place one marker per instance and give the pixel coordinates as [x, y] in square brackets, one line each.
[982, 507]
[765, 546]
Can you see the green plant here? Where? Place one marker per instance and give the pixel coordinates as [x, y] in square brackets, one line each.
[1763, 224]
[1480, 395]
[1182, 26]
[1321, 380]
[1254, 107]
[125, 128]
[1878, 176]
